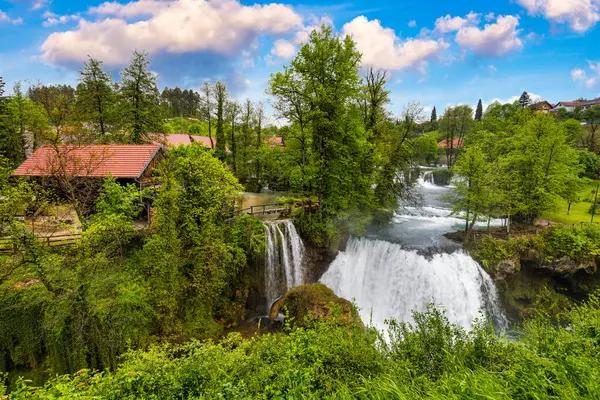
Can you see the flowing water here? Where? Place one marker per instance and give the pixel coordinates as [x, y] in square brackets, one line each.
[403, 268]
[285, 266]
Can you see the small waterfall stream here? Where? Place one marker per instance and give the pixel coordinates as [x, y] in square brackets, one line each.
[285, 267]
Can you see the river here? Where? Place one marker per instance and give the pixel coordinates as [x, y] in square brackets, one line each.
[394, 271]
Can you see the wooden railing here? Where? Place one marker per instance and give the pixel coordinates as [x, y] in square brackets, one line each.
[281, 209]
[6, 244]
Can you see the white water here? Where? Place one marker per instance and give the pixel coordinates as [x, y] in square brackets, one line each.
[285, 267]
[387, 282]
[388, 277]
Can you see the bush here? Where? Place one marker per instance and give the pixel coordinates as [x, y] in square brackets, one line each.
[430, 358]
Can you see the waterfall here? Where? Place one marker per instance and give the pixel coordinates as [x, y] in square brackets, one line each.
[387, 281]
[284, 260]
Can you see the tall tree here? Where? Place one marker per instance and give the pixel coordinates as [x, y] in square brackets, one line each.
[591, 116]
[96, 98]
[233, 112]
[208, 109]
[375, 98]
[221, 100]
[524, 100]
[433, 115]
[324, 74]
[479, 111]
[141, 106]
[260, 117]
[58, 103]
[456, 123]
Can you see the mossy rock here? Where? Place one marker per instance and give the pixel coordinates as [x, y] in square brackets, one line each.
[314, 301]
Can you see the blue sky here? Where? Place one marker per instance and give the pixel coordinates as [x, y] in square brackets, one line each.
[437, 52]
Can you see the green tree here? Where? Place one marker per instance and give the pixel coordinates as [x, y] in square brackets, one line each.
[324, 75]
[455, 125]
[433, 115]
[207, 108]
[524, 100]
[479, 111]
[221, 97]
[96, 98]
[473, 194]
[591, 116]
[140, 100]
[232, 111]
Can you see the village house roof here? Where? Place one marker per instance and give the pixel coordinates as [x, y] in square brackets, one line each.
[274, 141]
[456, 143]
[118, 160]
[542, 105]
[178, 139]
[583, 103]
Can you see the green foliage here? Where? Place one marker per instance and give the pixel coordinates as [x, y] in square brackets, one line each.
[580, 243]
[140, 104]
[97, 99]
[428, 358]
[426, 148]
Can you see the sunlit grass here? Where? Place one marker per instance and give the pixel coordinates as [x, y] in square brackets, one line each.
[579, 211]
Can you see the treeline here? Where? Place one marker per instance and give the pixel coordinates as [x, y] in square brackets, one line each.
[517, 164]
[98, 110]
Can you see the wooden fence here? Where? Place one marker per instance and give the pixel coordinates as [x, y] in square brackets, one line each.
[6, 244]
[280, 209]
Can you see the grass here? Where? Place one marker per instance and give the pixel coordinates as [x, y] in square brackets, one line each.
[579, 211]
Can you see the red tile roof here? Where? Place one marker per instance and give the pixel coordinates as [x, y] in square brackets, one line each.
[456, 143]
[272, 141]
[118, 160]
[177, 139]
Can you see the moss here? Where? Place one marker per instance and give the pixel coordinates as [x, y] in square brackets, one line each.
[307, 303]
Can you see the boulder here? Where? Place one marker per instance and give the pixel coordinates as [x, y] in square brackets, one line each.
[316, 300]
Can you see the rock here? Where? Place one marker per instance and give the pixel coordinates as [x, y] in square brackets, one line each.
[567, 266]
[316, 300]
[506, 268]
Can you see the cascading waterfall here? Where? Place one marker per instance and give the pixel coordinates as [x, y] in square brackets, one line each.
[285, 267]
[387, 281]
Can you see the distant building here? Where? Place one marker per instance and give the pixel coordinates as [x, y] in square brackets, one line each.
[542, 106]
[570, 106]
[178, 139]
[275, 141]
[456, 143]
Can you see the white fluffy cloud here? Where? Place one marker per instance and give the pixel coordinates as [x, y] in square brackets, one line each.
[130, 10]
[53, 19]
[4, 18]
[590, 79]
[452, 24]
[381, 48]
[283, 49]
[175, 26]
[494, 39]
[580, 15]
[412, 23]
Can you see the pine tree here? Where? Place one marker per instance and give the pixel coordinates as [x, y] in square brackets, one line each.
[142, 112]
[221, 99]
[479, 111]
[1, 87]
[96, 98]
[434, 115]
[524, 100]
